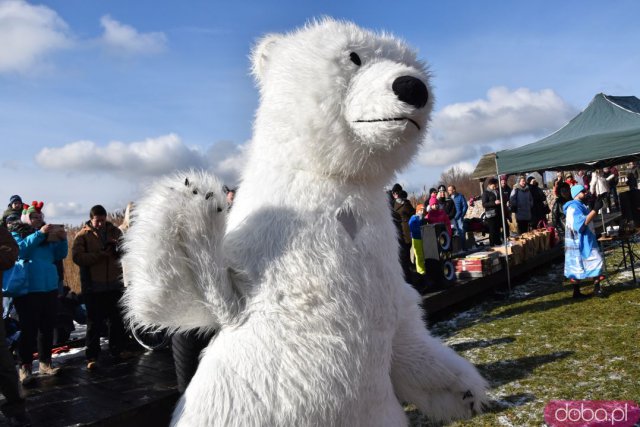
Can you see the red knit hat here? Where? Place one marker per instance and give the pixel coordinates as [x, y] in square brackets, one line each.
[28, 210]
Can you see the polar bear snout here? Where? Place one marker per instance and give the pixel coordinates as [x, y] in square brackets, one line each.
[411, 90]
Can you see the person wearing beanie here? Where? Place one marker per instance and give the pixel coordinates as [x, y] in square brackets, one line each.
[14, 206]
[41, 245]
[437, 215]
[415, 224]
[432, 193]
[29, 210]
[393, 195]
[582, 258]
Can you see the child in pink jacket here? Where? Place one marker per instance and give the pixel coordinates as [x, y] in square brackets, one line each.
[437, 215]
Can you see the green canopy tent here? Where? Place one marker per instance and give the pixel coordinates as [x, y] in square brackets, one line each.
[607, 132]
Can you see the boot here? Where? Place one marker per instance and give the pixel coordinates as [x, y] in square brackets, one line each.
[46, 368]
[597, 290]
[25, 375]
[576, 290]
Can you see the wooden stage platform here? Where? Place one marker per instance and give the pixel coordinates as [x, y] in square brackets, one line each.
[446, 300]
[140, 391]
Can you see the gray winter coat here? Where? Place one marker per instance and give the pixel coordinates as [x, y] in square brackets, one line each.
[521, 203]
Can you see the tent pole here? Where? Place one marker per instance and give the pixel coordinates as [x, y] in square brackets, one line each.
[505, 240]
[604, 230]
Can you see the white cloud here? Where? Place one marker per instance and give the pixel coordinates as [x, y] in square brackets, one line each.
[445, 156]
[464, 131]
[503, 114]
[122, 39]
[461, 133]
[465, 166]
[151, 157]
[27, 34]
[56, 210]
[227, 159]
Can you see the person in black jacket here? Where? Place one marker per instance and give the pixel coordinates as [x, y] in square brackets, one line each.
[563, 191]
[506, 193]
[404, 211]
[446, 202]
[540, 207]
[493, 212]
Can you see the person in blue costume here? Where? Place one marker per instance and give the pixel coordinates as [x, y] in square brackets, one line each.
[582, 258]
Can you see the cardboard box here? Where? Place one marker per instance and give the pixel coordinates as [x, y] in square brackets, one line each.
[515, 251]
[479, 264]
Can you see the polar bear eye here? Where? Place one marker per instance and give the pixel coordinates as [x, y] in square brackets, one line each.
[355, 58]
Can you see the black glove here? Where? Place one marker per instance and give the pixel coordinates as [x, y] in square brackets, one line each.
[597, 205]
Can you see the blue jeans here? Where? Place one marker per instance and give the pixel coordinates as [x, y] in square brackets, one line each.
[458, 229]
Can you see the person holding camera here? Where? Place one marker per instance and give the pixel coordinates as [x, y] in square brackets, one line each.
[41, 245]
[582, 258]
[95, 250]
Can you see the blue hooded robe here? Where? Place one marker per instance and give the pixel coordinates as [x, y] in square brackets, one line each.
[582, 257]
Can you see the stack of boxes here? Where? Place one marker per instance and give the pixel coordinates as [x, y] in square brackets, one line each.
[518, 251]
[478, 264]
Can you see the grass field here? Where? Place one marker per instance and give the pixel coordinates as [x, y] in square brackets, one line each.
[540, 344]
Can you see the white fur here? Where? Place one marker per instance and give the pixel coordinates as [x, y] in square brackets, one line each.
[317, 326]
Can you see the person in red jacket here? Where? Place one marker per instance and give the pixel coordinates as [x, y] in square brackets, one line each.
[437, 216]
[570, 180]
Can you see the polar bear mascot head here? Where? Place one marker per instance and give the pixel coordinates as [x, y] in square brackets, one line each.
[342, 101]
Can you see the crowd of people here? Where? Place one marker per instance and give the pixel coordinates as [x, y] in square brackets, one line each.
[39, 298]
[522, 208]
[442, 205]
[39, 248]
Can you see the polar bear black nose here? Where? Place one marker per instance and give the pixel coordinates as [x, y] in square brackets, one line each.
[411, 90]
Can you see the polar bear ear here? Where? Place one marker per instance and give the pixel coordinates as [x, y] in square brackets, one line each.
[261, 55]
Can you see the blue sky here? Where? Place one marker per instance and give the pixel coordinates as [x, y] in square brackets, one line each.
[98, 98]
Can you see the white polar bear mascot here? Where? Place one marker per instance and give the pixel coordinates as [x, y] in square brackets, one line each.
[316, 325]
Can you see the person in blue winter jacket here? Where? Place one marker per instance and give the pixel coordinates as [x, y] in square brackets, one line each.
[461, 210]
[40, 245]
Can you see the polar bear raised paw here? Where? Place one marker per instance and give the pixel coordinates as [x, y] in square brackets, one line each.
[172, 254]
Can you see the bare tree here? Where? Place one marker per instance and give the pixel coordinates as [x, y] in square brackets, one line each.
[461, 180]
